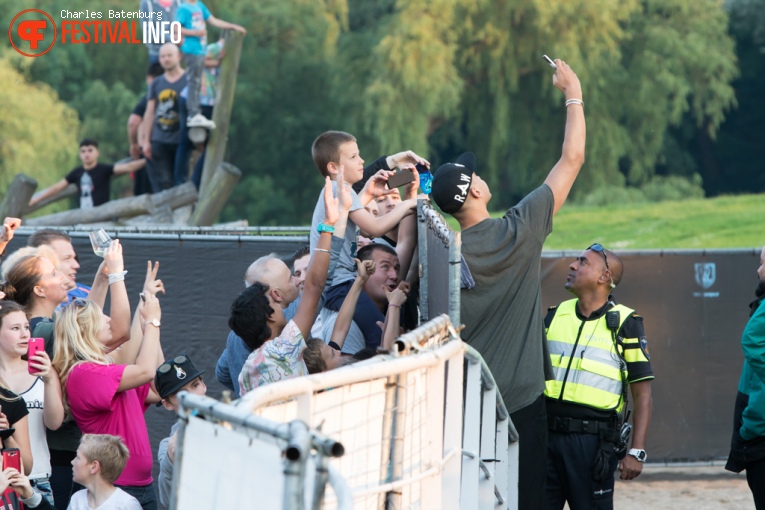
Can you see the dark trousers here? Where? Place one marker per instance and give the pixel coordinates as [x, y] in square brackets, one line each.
[531, 424]
[160, 166]
[62, 485]
[365, 315]
[181, 172]
[570, 459]
[145, 495]
[755, 477]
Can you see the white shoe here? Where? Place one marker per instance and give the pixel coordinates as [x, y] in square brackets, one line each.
[200, 120]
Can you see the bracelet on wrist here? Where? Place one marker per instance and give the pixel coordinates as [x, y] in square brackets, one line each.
[117, 277]
[394, 304]
[321, 250]
[569, 102]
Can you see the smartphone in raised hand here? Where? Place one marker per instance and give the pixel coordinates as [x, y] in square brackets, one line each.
[549, 61]
[34, 346]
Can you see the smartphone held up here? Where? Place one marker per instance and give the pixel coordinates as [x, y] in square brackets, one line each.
[549, 61]
[34, 346]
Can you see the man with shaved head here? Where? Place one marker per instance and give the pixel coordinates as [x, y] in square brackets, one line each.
[598, 350]
[161, 126]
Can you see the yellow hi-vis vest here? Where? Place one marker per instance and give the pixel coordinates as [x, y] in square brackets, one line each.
[585, 360]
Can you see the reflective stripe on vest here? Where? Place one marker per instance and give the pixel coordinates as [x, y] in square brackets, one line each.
[584, 359]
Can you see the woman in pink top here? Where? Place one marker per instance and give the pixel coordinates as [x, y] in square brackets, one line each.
[106, 398]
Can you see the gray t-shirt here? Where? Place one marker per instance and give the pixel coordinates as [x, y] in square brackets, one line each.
[346, 267]
[503, 312]
[354, 341]
[167, 121]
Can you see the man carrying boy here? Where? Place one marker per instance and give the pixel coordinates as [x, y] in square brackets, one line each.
[332, 150]
[92, 178]
[100, 460]
[173, 376]
[193, 16]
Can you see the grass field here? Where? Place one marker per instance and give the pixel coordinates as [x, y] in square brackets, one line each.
[721, 222]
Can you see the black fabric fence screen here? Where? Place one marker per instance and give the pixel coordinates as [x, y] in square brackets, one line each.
[694, 306]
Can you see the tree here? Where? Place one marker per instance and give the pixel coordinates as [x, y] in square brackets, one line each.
[38, 131]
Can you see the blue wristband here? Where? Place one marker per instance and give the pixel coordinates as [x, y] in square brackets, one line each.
[325, 228]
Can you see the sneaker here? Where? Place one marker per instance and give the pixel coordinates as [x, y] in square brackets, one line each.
[200, 120]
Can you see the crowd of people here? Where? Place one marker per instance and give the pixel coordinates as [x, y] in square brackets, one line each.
[566, 376]
[182, 90]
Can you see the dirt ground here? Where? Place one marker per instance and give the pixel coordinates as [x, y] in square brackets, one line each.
[681, 488]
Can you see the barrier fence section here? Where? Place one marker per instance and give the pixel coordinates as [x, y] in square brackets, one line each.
[422, 429]
[226, 458]
[439, 254]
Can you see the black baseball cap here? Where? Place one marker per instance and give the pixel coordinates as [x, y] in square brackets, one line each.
[174, 374]
[451, 183]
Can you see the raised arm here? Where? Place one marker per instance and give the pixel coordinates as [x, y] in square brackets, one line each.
[392, 328]
[562, 176]
[377, 227]
[53, 411]
[316, 277]
[119, 310]
[146, 362]
[9, 227]
[48, 192]
[345, 315]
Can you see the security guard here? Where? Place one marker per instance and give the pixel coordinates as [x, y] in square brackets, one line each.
[597, 348]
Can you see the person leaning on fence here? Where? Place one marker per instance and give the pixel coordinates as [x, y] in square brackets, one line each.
[100, 460]
[503, 312]
[747, 451]
[278, 344]
[173, 376]
[91, 178]
[597, 348]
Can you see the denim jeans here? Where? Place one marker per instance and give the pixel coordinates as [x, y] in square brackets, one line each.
[42, 485]
[195, 66]
[161, 166]
[145, 495]
[181, 170]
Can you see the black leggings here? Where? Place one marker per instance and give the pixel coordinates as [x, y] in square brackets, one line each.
[755, 477]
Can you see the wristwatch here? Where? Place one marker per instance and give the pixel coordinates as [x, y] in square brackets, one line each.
[153, 322]
[321, 227]
[640, 455]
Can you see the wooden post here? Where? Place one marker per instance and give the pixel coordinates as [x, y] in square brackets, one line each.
[18, 196]
[67, 192]
[123, 208]
[220, 188]
[216, 146]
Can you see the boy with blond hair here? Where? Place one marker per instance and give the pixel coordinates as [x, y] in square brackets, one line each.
[99, 462]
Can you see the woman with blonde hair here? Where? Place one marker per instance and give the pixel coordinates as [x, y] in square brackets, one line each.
[108, 398]
[41, 392]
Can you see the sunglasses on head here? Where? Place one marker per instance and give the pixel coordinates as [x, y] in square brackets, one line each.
[167, 365]
[79, 302]
[598, 248]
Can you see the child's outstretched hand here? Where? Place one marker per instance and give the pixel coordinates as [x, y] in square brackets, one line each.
[364, 269]
[331, 214]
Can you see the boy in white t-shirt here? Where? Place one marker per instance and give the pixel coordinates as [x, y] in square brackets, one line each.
[99, 462]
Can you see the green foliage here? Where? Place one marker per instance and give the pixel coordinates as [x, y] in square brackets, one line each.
[659, 189]
[721, 222]
[37, 131]
[444, 76]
